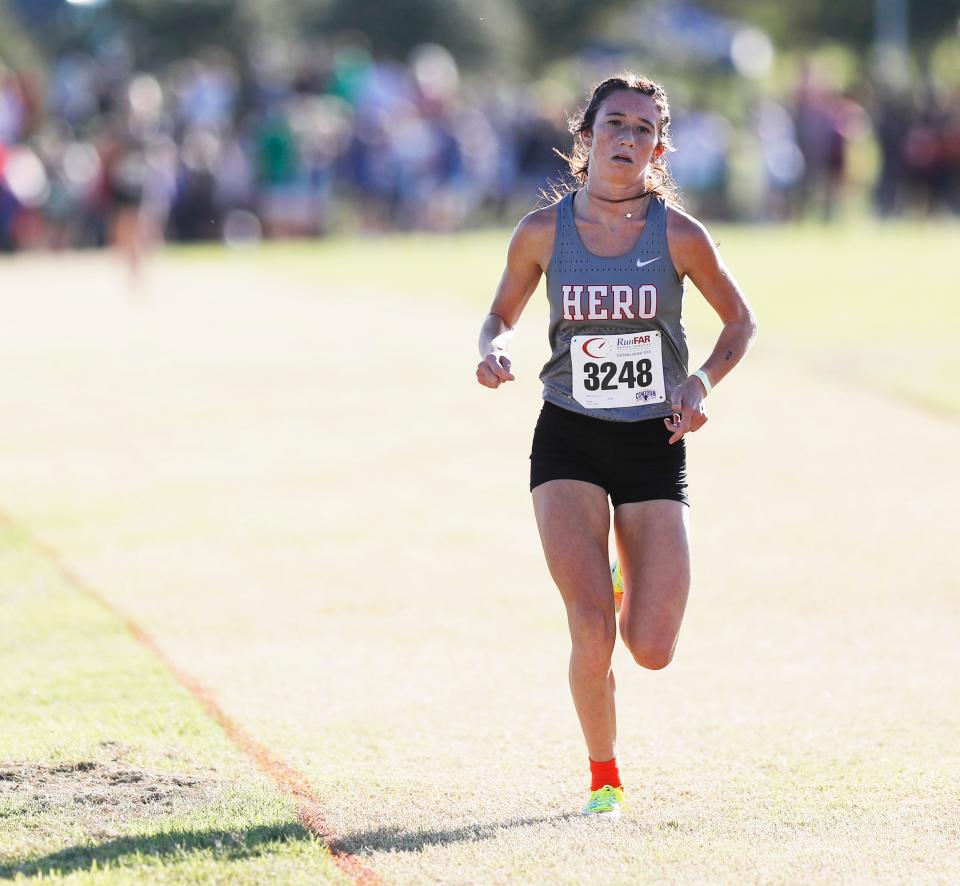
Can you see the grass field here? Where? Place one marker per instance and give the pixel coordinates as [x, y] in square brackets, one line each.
[278, 463]
[868, 302]
[111, 772]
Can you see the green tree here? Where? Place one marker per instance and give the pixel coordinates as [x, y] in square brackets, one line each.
[477, 32]
[850, 22]
[164, 29]
[558, 27]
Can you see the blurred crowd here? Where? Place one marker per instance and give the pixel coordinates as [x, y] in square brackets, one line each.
[201, 152]
[333, 139]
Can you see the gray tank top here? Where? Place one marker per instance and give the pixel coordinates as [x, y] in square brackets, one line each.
[638, 292]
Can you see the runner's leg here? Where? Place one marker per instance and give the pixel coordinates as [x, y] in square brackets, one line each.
[654, 556]
[574, 522]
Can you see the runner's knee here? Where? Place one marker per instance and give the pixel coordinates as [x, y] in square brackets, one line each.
[593, 632]
[652, 656]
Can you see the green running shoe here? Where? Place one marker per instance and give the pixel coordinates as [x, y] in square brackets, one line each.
[607, 802]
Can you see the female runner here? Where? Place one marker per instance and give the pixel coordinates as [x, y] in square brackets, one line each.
[618, 398]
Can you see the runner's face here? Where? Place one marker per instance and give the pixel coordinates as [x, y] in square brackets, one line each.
[624, 137]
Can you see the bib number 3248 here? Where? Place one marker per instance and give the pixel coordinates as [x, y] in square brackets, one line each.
[612, 371]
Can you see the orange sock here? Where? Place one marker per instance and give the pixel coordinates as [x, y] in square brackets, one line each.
[604, 773]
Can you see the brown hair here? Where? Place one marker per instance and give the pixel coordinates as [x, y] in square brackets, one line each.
[582, 121]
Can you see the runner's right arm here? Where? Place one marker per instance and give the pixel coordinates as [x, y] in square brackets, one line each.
[525, 265]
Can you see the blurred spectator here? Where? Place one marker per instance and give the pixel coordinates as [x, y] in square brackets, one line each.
[826, 122]
[298, 141]
[13, 107]
[931, 151]
[783, 161]
[701, 166]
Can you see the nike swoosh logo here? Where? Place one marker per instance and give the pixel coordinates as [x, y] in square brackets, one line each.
[640, 264]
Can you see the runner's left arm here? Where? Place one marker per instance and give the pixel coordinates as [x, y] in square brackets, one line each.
[695, 256]
[701, 262]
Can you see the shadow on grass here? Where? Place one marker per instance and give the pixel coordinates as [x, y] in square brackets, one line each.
[396, 839]
[227, 845]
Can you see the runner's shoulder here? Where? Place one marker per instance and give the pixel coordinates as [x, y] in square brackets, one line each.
[688, 239]
[534, 235]
[685, 229]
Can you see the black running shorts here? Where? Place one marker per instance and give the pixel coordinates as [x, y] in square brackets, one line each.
[631, 461]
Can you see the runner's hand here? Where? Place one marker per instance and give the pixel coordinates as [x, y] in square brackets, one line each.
[494, 370]
[687, 403]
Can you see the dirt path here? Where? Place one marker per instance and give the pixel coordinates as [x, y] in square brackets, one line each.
[308, 502]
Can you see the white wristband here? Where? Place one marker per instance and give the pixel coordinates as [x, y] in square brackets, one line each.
[704, 378]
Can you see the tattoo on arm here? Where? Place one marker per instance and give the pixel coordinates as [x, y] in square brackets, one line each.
[728, 355]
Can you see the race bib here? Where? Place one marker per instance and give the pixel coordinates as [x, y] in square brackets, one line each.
[617, 370]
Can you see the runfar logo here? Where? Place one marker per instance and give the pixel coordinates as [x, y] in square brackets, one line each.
[599, 346]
